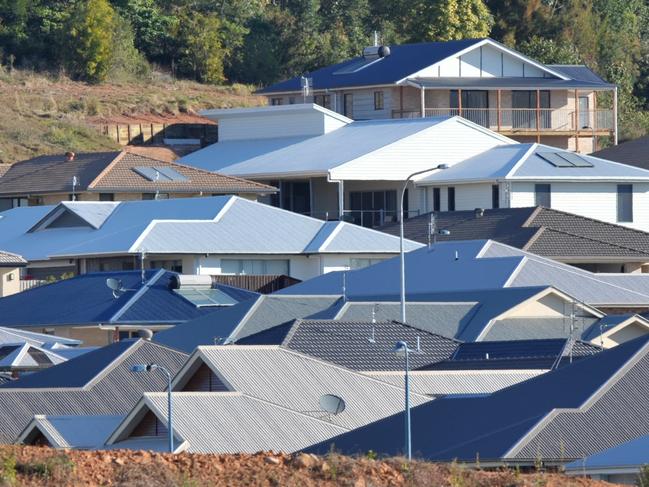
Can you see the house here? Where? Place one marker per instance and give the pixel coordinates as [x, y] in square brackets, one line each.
[82, 432]
[112, 176]
[478, 79]
[631, 152]
[523, 175]
[10, 265]
[583, 242]
[85, 308]
[481, 266]
[231, 399]
[208, 236]
[99, 382]
[328, 166]
[552, 419]
[619, 464]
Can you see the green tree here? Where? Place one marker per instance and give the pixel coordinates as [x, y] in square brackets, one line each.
[126, 63]
[199, 52]
[90, 40]
[549, 51]
[446, 20]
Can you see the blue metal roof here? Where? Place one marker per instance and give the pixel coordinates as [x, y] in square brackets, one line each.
[486, 427]
[76, 372]
[86, 300]
[634, 453]
[404, 60]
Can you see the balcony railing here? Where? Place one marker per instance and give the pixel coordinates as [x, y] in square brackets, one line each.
[512, 120]
[26, 284]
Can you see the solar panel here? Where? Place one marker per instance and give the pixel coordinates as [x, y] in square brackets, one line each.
[576, 159]
[206, 297]
[555, 159]
[171, 173]
[356, 66]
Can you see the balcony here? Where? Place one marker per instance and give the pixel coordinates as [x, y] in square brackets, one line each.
[529, 121]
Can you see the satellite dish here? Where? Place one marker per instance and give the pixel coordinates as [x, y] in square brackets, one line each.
[116, 286]
[332, 404]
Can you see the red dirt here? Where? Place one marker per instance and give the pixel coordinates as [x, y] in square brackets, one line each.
[44, 466]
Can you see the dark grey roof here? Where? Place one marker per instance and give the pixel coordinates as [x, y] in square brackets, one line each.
[357, 345]
[577, 72]
[112, 389]
[515, 355]
[632, 152]
[241, 320]
[568, 413]
[543, 231]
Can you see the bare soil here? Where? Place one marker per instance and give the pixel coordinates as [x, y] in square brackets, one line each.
[40, 466]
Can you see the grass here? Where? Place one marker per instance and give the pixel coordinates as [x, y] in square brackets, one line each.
[46, 114]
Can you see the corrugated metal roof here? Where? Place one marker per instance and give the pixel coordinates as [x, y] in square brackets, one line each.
[86, 300]
[241, 320]
[314, 155]
[577, 72]
[7, 259]
[73, 431]
[632, 152]
[113, 391]
[631, 454]
[549, 417]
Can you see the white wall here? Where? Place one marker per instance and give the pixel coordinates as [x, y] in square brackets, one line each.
[363, 104]
[482, 62]
[591, 199]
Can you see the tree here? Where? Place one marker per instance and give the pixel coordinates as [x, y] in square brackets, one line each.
[126, 62]
[549, 51]
[199, 51]
[90, 40]
[447, 20]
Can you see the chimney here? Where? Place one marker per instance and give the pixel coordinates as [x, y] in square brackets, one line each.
[69, 156]
[479, 212]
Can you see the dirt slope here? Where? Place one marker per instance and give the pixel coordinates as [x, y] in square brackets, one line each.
[44, 115]
[43, 466]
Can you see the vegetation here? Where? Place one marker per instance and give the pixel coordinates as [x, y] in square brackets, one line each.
[262, 41]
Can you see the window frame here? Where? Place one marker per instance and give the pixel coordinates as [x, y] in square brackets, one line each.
[450, 198]
[379, 100]
[540, 194]
[624, 196]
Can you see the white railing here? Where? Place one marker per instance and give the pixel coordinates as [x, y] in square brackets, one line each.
[525, 119]
[26, 284]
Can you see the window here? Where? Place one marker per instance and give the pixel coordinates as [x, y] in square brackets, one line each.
[360, 263]
[475, 105]
[322, 100]
[291, 100]
[625, 202]
[495, 196]
[170, 265]
[451, 199]
[542, 195]
[348, 105]
[275, 101]
[437, 198]
[378, 100]
[256, 267]
[374, 208]
[296, 196]
[524, 109]
[155, 196]
[106, 197]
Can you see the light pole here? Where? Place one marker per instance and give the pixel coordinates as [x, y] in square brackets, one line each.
[401, 252]
[401, 349]
[149, 368]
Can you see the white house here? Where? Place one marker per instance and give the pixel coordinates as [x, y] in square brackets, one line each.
[524, 175]
[325, 163]
[479, 79]
[219, 235]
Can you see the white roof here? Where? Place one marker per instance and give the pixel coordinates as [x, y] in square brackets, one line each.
[217, 225]
[523, 162]
[21, 358]
[348, 152]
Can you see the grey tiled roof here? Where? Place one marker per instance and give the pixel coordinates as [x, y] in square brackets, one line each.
[359, 345]
[543, 231]
[633, 152]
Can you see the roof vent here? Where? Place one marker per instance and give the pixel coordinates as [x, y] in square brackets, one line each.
[145, 334]
[376, 52]
[69, 156]
[479, 212]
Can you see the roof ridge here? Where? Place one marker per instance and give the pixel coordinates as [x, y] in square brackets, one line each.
[582, 217]
[107, 169]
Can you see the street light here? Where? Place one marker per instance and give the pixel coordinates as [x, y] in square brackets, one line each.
[148, 368]
[401, 252]
[401, 350]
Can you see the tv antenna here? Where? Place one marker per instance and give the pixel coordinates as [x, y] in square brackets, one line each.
[116, 286]
[306, 84]
[333, 405]
[75, 183]
[344, 287]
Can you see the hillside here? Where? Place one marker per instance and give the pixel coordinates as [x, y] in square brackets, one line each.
[44, 466]
[43, 115]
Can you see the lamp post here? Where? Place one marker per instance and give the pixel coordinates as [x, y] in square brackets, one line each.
[401, 349]
[148, 368]
[401, 251]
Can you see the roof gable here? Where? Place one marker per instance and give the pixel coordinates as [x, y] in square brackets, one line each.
[76, 214]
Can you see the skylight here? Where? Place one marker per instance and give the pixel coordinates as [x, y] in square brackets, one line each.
[153, 173]
[564, 159]
[201, 297]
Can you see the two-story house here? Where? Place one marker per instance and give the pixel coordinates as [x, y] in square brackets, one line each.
[478, 79]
